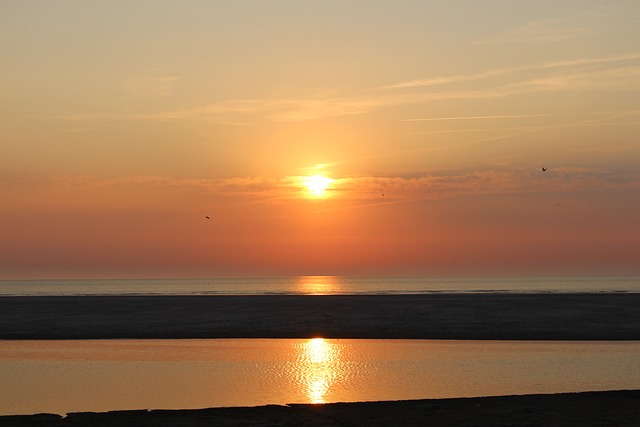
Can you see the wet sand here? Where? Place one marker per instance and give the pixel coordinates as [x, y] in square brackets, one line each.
[435, 316]
[618, 408]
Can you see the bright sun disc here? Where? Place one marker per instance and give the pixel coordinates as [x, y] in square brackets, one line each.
[317, 185]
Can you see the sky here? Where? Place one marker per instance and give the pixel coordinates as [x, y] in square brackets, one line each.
[125, 124]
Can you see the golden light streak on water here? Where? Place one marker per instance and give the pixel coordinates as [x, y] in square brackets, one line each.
[318, 285]
[318, 368]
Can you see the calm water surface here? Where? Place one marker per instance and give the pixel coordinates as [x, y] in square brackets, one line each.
[71, 376]
[316, 285]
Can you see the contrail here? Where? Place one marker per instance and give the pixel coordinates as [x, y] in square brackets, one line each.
[433, 119]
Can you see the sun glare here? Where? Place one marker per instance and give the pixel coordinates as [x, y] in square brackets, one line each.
[317, 185]
[319, 368]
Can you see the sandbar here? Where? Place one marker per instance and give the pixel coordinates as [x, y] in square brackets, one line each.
[484, 316]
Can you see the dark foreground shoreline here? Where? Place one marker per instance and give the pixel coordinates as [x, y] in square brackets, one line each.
[600, 316]
[613, 408]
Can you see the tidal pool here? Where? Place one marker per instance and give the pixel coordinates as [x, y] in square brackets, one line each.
[103, 375]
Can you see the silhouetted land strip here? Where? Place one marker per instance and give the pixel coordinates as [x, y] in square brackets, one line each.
[600, 316]
[615, 408]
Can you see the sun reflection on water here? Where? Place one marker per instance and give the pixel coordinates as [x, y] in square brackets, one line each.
[318, 285]
[318, 368]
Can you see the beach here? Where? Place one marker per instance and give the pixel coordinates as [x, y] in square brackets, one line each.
[485, 316]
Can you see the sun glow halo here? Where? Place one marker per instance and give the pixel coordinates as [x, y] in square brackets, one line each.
[317, 185]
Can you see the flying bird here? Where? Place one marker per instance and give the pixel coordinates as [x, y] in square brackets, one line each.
[207, 217]
[544, 169]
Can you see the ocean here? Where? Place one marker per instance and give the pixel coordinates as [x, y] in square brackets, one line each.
[319, 285]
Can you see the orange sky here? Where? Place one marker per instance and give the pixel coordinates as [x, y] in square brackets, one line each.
[124, 124]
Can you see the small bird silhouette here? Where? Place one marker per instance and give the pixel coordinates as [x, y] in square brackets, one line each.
[207, 217]
[544, 169]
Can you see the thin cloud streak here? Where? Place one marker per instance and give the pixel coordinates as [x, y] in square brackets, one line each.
[606, 116]
[362, 188]
[507, 70]
[603, 120]
[251, 111]
[493, 129]
[430, 119]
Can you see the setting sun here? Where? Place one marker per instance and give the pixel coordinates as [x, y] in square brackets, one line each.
[317, 185]
[310, 159]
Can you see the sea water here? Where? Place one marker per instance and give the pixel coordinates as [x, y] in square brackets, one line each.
[318, 285]
[102, 375]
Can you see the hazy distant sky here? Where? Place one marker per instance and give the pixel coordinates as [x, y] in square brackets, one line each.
[123, 124]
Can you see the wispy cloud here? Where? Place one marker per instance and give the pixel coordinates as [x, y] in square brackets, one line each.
[479, 183]
[617, 72]
[600, 118]
[476, 130]
[382, 189]
[512, 116]
[495, 72]
[621, 72]
[247, 111]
